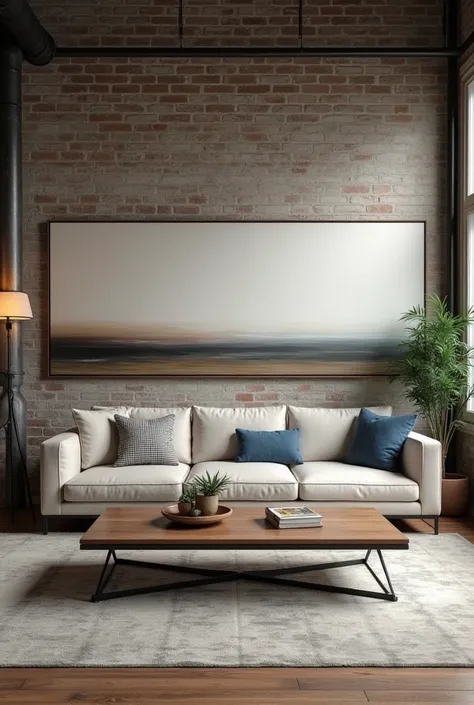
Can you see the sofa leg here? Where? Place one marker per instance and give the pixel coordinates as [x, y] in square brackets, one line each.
[45, 526]
[436, 526]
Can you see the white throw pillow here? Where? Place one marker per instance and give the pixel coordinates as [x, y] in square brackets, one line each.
[214, 436]
[98, 435]
[325, 434]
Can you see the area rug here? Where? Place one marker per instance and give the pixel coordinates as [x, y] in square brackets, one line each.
[46, 618]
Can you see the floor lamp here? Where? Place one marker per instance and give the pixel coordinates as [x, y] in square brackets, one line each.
[14, 306]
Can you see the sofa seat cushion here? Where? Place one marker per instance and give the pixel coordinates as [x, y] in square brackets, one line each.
[333, 481]
[137, 483]
[252, 481]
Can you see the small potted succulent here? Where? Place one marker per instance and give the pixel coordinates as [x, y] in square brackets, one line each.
[208, 488]
[187, 500]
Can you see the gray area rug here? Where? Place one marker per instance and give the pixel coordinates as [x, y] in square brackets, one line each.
[46, 618]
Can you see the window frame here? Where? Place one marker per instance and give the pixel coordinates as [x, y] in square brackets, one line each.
[466, 199]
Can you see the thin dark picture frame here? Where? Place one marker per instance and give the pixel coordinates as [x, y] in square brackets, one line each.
[240, 376]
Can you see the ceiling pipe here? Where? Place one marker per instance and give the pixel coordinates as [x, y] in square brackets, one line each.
[38, 47]
[255, 52]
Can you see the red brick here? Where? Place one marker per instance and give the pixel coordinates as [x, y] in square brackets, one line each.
[114, 127]
[186, 210]
[106, 117]
[380, 209]
[243, 397]
[356, 189]
[42, 198]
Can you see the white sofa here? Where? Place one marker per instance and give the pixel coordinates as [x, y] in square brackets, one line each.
[205, 439]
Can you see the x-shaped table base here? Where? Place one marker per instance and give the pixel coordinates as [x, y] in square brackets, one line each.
[210, 577]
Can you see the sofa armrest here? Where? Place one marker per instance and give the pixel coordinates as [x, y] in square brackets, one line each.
[60, 461]
[421, 462]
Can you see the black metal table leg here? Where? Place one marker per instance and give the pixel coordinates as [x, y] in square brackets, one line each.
[213, 576]
[271, 576]
[384, 567]
[104, 577]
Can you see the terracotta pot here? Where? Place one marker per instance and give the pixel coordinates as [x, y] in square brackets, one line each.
[207, 504]
[454, 495]
[184, 508]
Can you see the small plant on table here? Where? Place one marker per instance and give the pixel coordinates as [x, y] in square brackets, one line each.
[187, 501]
[208, 488]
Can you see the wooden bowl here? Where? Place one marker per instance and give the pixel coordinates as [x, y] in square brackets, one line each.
[173, 514]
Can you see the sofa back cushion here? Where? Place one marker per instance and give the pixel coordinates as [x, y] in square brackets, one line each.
[98, 434]
[214, 436]
[326, 434]
[182, 427]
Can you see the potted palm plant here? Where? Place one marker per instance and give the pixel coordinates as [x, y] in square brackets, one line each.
[435, 370]
[208, 488]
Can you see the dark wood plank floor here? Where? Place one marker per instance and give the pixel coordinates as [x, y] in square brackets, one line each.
[238, 686]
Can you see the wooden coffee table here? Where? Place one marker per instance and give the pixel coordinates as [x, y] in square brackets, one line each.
[128, 528]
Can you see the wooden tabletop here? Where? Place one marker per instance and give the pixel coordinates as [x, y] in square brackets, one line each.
[146, 528]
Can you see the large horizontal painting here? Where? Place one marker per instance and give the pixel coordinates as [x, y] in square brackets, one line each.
[231, 298]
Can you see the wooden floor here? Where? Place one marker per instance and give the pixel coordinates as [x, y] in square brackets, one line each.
[239, 686]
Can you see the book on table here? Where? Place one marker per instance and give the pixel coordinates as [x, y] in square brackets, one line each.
[293, 517]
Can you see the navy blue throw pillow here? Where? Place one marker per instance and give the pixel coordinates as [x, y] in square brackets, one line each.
[269, 446]
[379, 440]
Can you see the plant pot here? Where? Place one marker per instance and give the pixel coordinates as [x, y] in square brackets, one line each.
[454, 494]
[207, 504]
[184, 508]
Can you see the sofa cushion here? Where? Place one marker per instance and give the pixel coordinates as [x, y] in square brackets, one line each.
[214, 436]
[98, 435]
[252, 481]
[140, 483]
[145, 441]
[333, 481]
[378, 440]
[326, 434]
[268, 446]
[182, 427]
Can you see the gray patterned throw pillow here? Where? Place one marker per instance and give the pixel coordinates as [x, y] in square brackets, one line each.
[145, 441]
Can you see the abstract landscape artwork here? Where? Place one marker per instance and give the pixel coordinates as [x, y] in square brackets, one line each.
[231, 298]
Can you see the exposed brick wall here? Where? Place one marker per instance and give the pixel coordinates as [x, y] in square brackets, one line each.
[373, 22]
[467, 18]
[264, 139]
[227, 22]
[110, 22]
[248, 23]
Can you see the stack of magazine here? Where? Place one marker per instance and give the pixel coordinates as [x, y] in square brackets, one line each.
[293, 517]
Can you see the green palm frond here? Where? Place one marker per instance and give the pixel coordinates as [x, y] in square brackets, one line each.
[435, 365]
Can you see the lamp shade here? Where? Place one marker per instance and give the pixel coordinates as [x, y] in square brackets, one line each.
[15, 305]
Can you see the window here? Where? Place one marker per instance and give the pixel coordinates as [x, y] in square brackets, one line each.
[470, 287]
[470, 138]
[467, 202]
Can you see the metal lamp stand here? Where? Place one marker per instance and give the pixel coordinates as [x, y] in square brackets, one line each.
[11, 433]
